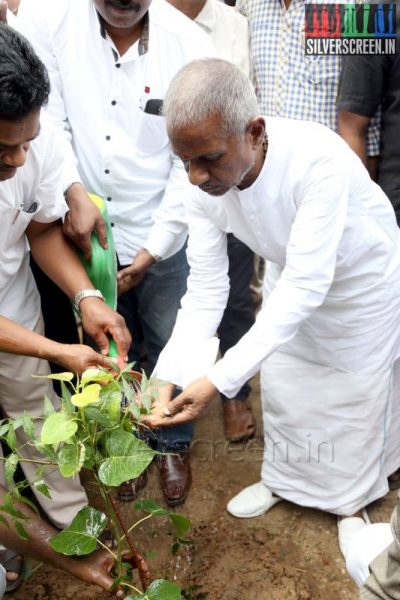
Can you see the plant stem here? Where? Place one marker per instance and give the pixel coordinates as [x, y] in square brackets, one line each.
[144, 575]
[137, 523]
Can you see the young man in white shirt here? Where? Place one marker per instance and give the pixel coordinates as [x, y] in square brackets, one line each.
[326, 340]
[110, 64]
[31, 209]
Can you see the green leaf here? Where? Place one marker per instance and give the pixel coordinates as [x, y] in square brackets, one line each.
[128, 458]
[11, 438]
[89, 395]
[28, 426]
[41, 487]
[70, 459]
[57, 428]
[128, 391]
[151, 507]
[80, 538]
[181, 523]
[146, 401]
[21, 530]
[99, 375]
[56, 376]
[48, 408]
[66, 399]
[10, 468]
[93, 414]
[160, 589]
[4, 427]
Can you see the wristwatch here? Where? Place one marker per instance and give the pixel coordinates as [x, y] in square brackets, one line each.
[87, 294]
[156, 257]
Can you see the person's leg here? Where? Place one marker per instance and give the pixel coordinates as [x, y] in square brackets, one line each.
[159, 296]
[19, 393]
[239, 316]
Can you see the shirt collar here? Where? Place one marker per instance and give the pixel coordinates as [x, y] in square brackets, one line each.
[144, 38]
[207, 17]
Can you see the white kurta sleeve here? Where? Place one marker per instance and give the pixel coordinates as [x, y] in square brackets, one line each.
[192, 348]
[33, 24]
[169, 231]
[305, 281]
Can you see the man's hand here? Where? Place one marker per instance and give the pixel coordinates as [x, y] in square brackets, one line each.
[82, 219]
[3, 11]
[77, 358]
[131, 276]
[191, 404]
[100, 321]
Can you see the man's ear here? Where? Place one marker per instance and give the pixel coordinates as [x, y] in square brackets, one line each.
[256, 129]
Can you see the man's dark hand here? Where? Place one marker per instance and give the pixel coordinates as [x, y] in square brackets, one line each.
[82, 219]
[101, 322]
[132, 275]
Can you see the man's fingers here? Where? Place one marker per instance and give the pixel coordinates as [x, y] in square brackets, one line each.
[101, 231]
[154, 421]
[83, 241]
[122, 339]
[102, 341]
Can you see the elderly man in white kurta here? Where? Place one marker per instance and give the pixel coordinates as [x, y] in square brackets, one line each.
[327, 338]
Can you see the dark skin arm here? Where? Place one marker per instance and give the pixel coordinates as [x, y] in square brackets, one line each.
[94, 569]
[57, 258]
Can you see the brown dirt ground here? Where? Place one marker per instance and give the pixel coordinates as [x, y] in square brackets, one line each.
[290, 553]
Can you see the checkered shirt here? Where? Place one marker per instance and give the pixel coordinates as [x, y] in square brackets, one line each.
[289, 83]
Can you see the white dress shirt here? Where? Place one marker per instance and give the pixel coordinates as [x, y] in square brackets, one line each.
[334, 287]
[33, 194]
[229, 32]
[98, 100]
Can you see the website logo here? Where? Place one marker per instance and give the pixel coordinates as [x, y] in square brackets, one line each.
[350, 28]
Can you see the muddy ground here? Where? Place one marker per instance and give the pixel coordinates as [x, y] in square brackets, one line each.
[288, 554]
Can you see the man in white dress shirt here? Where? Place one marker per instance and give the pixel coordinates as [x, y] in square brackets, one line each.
[229, 32]
[327, 338]
[110, 64]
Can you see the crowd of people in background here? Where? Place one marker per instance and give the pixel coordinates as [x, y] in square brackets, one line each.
[216, 141]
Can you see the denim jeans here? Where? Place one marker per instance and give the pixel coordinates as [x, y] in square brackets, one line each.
[150, 308]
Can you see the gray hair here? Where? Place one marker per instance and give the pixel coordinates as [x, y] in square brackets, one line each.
[208, 87]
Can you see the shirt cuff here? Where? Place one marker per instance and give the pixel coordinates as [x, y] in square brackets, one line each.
[222, 382]
[70, 175]
[163, 243]
[183, 365]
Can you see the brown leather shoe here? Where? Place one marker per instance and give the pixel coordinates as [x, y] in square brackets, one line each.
[175, 477]
[239, 423]
[128, 491]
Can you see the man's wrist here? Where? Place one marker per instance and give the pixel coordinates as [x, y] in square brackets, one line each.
[157, 258]
[89, 293]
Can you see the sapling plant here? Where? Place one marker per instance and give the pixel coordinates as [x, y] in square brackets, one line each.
[95, 428]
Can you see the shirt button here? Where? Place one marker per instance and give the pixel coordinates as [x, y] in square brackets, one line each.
[112, 224]
[113, 102]
[108, 138]
[118, 65]
[106, 171]
[109, 199]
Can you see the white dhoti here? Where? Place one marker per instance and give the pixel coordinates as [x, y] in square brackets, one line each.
[331, 437]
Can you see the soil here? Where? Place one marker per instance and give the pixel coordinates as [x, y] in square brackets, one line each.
[290, 553]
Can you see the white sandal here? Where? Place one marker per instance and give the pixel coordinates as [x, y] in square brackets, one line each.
[348, 527]
[253, 501]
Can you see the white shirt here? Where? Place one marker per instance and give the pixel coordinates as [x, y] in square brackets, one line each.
[332, 236]
[123, 152]
[229, 32]
[33, 194]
